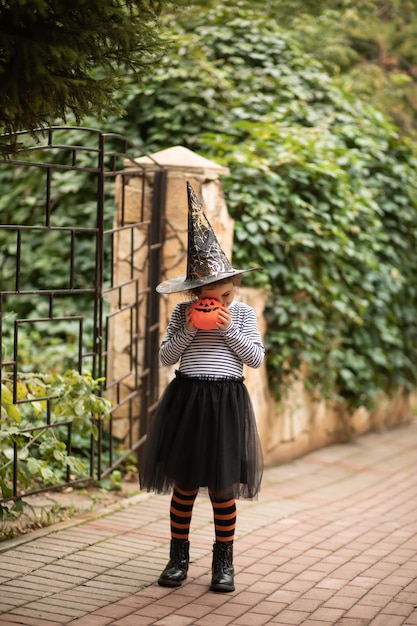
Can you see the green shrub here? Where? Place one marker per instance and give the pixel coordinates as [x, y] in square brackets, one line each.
[37, 429]
[322, 188]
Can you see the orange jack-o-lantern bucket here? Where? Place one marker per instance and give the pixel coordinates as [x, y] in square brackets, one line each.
[205, 313]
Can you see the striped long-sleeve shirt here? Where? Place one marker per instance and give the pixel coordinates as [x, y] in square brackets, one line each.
[214, 353]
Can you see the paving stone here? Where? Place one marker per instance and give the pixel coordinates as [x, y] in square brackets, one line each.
[26, 620]
[331, 541]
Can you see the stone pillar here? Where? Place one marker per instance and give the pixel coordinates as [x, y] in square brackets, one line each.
[184, 165]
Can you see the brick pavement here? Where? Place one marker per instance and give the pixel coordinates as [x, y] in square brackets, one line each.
[332, 540]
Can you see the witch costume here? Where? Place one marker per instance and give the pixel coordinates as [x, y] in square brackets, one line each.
[204, 433]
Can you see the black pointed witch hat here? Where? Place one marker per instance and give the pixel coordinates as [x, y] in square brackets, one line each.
[206, 261]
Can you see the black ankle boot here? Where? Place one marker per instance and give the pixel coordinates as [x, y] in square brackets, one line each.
[177, 566]
[222, 568]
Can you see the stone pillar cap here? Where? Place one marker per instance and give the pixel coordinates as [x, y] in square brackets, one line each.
[180, 158]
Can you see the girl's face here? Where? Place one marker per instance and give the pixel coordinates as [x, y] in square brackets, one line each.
[224, 292]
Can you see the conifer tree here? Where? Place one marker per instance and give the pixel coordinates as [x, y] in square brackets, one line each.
[58, 57]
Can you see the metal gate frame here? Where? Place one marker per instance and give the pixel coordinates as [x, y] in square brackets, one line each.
[105, 156]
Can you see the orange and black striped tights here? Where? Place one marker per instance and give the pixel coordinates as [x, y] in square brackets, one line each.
[224, 514]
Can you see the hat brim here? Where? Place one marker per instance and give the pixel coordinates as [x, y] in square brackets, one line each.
[176, 285]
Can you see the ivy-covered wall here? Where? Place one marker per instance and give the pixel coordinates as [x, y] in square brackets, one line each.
[322, 188]
[299, 418]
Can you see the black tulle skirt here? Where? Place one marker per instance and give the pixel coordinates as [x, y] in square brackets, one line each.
[203, 434]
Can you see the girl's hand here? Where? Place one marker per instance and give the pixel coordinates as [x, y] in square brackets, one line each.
[188, 323]
[225, 319]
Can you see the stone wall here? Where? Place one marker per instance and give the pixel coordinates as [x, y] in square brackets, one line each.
[303, 421]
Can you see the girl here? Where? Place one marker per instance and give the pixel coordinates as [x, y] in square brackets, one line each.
[204, 432]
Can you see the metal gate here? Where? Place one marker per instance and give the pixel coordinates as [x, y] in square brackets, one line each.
[60, 294]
